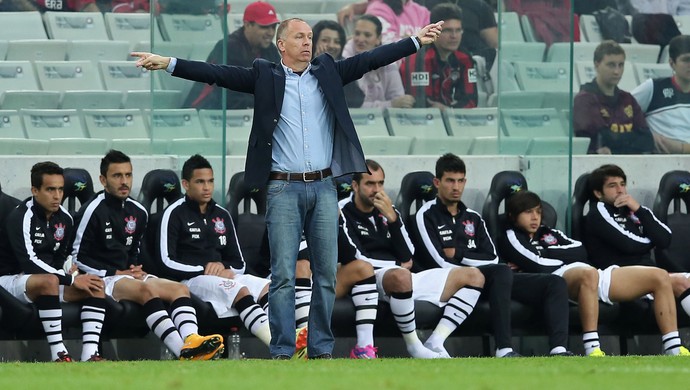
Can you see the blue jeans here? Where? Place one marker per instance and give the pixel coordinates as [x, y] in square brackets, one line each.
[293, 207]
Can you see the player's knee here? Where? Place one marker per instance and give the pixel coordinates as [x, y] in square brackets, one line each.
[362, 269]
[473, 276]
[303, 270]
[589, 278]
[241, 293]
[180, 290]
[146, 293]
[397, 280]
[46, 284]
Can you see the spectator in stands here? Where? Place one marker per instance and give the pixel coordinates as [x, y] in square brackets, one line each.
[442, 75]
[609, 116]
[382, 87]
[67, 5]
[329, 37]
[534, 247]
[34, 264]
[376, 232]
[400, 18]
[251, 41]
[664, 101]
[671, 7]
[620, 231]
[453, 235]
[109, 230]
[199, 247]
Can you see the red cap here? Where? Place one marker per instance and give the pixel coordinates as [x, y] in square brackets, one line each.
[262, 13]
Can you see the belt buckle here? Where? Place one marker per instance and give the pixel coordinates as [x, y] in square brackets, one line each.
[304, 177]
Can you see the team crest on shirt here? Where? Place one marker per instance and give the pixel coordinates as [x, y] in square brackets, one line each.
[469, 228]
[383, 220]
[549, 239]
[628, 110]
[130, 225]
[634, 218]
[219, 225]
[667, 92]
[59, 232]
[604, 113]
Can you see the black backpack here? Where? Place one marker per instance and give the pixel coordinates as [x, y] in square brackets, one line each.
[613, 25]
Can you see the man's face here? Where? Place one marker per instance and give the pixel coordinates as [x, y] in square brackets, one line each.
[49, 196]
[118, 180]
[367, 188]
[681, 67]
[200, 187]
[450, 186]
[365, 36]
[610, 69]
[259, 37]
[451, 36]
[613, 188]
[295, 45]
[330, 41]
[529, 220]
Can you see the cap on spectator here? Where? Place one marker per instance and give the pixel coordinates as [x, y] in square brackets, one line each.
[262, 13]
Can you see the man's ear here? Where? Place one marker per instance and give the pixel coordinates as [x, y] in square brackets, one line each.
[598, 194]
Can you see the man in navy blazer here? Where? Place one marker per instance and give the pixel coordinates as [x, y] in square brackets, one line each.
[302, 136]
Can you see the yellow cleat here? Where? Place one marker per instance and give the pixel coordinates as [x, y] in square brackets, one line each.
[597, 352]
[198, 347]
[300, 343]
[682, 351]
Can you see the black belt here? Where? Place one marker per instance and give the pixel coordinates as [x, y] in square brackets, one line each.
[304, 176]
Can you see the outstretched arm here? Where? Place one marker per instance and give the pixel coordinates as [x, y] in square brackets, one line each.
[151, 61]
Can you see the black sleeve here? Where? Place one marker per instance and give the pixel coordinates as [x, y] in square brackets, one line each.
[232, 253]
[601, 224]
[515, 247]
[402, 246]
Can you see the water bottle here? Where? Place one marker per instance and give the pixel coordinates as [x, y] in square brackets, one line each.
[234, 352]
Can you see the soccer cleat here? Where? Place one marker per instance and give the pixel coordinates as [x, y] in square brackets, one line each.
[512, 354]
[301, 343]
[597, 352]
[95, 358]
[63, 357]
[682, 351]
[198, 347]
[368, 352]
[566, 353]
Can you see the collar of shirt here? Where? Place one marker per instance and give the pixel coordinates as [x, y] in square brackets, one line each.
[303, 138]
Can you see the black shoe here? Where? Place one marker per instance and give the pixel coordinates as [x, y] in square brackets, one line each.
[566, 353]
[512, 354]
[281, 357]
[326, 356]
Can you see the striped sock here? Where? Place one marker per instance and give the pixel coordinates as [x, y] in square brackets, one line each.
[671, 342]
[458, 308]
[590, 341]
[183, 315]
[684, 300]
[50, 313]
[302, 301]
[92, 317]
[162, 326]
[365, 297]
[254, 318]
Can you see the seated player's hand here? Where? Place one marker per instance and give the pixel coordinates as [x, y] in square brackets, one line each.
[227, 273]
[214, 268]
[407, 264]
[88, 283]
[449, 252]
[384, 204]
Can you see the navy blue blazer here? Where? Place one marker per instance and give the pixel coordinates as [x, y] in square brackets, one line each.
[266, 80]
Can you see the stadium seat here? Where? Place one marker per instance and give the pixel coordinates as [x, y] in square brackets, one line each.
[172, 49]
[158, 99]
[541, 122]
[369, 121]
[237, 147]
[586, 73]
[238, 123]
[15, 100]
[418, 122]
[557, 146]
[22, 25]
[235, 19]
[471, 122]
[95, 50]
[521, 51]
[161, 186]
[23, 146]
[173, 124]
[11, 125]
[416, 188]
[520, 99]
[651, 71]
[171, 83]
[683, 23]
[3, 50]
[75, 25]
[672, 206]
[68, 75]
[640, 53]
[49, 124]
[579, 206]
[131, 27]
[509, 25]
[190, 28]
[189, 146]
[582, 51]
[385, 145]
[527, 29]
[436, 146]
[77, 146]
[91, 100]
[542, 76]
[17, 76]
[115, 123]
[492, 145]
[133, 147]
[590, 28]
[124, 76]
[201, 50]
[37, 50]
[78, 187]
